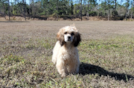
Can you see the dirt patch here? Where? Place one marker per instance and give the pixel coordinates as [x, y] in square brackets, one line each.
[88, 29]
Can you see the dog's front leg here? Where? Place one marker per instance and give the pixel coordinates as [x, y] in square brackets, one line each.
[61, 68]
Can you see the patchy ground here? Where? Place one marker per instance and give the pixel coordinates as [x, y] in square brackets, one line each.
[106, 54]
[51, 18]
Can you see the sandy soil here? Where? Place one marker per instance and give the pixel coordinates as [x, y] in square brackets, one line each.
[88, 29]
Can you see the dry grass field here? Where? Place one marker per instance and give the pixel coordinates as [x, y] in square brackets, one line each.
[106, 55]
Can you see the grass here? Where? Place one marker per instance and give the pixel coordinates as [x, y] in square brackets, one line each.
[105, 63]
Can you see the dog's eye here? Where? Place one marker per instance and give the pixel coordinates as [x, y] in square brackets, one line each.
[72, 33]
[65, 33]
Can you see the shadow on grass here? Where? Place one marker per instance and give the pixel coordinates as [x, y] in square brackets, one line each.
[93, 69]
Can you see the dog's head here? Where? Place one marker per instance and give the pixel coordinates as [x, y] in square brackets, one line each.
[69, 35]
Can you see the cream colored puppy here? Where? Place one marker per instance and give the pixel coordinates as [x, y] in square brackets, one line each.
[65, 54]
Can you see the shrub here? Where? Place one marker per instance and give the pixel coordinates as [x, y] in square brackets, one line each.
[92, 13]
[114, 13]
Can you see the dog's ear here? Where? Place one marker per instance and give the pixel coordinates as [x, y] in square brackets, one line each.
[60, 37]
[77, 39]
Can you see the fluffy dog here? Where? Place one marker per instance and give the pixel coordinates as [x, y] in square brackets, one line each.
[65, 54]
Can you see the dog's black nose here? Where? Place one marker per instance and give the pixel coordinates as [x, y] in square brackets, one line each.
[69, 38]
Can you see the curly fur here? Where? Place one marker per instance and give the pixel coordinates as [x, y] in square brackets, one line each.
[65, 54]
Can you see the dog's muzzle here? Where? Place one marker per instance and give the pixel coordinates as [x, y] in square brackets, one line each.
[69, 38]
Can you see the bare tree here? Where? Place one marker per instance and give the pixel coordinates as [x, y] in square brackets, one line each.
[115, 1]
[132, 7]
[32, 8]
[57, 9]
[24, 9]
[72, 7]
[9, 9]
[4, 10]
[127, 5]
[108, 2]
[81, 9]
[88, 10]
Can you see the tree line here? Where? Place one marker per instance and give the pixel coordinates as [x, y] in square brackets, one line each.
[42, 9]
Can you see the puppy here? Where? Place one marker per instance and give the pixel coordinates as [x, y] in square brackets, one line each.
[65, 54]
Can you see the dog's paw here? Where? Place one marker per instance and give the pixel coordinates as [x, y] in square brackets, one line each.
[63, 75]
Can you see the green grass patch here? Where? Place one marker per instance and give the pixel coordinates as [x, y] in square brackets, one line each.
[10, 59]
